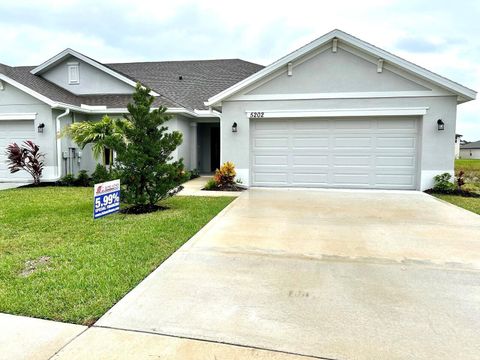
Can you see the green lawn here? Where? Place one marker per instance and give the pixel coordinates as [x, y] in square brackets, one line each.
[471, 168]
[57, 263]
[472, 204]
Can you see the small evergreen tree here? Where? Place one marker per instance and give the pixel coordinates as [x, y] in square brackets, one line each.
[144, 158]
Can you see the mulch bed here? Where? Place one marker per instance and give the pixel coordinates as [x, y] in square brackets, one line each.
[226, 188]
[456, 192]
[142, 209]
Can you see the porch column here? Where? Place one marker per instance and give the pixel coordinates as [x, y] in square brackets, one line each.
[193, 146]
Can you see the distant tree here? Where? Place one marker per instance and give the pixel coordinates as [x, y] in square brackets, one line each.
[27, 157]
[144, 158]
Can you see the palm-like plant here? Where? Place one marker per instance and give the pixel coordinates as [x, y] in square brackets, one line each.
[106, 133]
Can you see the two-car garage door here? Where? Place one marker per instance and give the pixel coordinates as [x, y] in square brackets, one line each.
[335, 152]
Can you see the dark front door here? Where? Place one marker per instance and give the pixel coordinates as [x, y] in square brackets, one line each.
[214, 148]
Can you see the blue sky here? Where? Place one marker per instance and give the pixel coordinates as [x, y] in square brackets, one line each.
[443, 36]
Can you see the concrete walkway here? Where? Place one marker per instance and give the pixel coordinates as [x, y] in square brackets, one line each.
[194, 188]
[5, 186]
[329, 274]
[33, 339]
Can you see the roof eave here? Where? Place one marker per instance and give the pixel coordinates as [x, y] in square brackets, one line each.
[464, 93]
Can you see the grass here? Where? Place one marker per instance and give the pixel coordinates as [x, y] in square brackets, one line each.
[471, 168]
[472, 204]
[57, 263]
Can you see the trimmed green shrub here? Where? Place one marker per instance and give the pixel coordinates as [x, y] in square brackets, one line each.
[83, 179]
[101, 174]
[443, 183]
[210, 185]
[68, 180]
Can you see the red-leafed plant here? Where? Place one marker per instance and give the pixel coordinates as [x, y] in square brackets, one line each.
[26, 157]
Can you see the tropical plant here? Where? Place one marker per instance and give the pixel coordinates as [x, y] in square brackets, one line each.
[106, 133]
[460, 180]
[26, 157]
[443, 183]
[225, 176]
[144, 158]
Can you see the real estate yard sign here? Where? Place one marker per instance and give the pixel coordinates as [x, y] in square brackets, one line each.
[106, 198]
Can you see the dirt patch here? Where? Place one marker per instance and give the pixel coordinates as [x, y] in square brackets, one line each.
[33, 265]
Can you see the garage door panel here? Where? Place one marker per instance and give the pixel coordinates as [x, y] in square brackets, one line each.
[310, 160]
[311, 142]
[395, 142]
[310, 178]
[363, 153]
[353, 142]
[14, 131]
[271, 160]
[273, 142]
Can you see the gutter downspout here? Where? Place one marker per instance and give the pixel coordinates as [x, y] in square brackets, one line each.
[59, 143]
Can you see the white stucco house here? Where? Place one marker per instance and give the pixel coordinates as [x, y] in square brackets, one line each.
[338, 112]
[470, 150]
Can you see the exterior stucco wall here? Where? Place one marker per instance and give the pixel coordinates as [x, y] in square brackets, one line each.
[436, 154]
[92, 80]
[14, 101]
[469, 153]
[334, 72]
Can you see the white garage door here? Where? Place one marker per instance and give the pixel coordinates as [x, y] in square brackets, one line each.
[335, 152]
[14, 131]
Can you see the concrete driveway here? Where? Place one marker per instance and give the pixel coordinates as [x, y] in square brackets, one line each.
[5, 186]
[327, 274]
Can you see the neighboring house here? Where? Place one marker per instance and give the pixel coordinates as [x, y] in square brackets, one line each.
[337, 112]
[470, 150]
[458, 140]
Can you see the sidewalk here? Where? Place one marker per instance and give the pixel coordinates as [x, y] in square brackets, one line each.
[194, 188]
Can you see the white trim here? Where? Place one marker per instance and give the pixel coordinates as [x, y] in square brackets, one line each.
[27, 90]
[93, 107]
[18, 116]
[70, 52]
[380, 66]
[408, 111]
[456, 88]
[339, 95]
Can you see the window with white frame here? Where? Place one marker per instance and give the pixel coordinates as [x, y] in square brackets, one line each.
[73, 73]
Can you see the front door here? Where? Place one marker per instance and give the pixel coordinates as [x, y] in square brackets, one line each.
[214, 148]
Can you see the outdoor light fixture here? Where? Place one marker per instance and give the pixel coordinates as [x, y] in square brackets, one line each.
[40, 127]
[441, 125]
[234, 127]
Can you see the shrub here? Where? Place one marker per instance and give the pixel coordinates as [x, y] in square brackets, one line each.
[145, 157]
[194, 173]
[210, 185]
[443, 183]
[67, 180]
[225, 176]
[100, 174]
[83, 179]
[27, 158]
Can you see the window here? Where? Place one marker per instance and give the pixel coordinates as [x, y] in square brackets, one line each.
[73, 73]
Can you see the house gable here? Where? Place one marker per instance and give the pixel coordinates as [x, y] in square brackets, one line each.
[337, 40]
[334, 72]
[90, 79]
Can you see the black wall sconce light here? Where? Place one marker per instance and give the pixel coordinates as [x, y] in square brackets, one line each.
[40, 127]
[440, 125]
[234, 127]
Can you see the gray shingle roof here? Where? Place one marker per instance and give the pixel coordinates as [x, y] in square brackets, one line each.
[201, 79]
[472, 145]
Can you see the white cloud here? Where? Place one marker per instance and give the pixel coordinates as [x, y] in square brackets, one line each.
[437, 35]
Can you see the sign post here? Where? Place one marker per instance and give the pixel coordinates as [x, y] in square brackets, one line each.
[106, 198]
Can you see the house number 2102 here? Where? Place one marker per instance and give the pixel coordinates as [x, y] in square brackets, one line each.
[257, 114]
